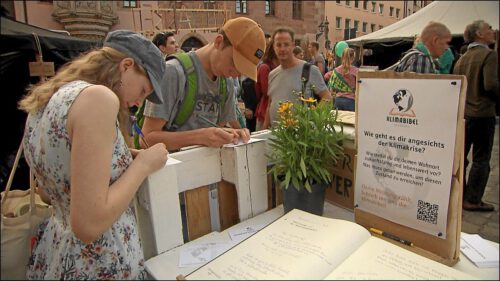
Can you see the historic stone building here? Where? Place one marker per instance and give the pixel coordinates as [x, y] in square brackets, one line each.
[196, 22]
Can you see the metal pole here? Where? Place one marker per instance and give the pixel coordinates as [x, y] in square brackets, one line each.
[25, 12]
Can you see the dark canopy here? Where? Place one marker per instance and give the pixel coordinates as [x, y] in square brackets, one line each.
[17, 49]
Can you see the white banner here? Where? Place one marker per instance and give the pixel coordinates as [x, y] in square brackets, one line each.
[406, 131]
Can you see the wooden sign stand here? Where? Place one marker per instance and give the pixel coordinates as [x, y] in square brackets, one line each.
[446, 251]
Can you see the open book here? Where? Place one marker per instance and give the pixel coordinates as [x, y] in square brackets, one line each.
[303, 246]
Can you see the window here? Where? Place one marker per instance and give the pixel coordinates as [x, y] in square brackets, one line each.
[365, 5]
[397, 13]
[298, 42]
[347, 2]
[391, 11]
[209, 4]
[364, 26]
[356, 25]
[338, 1]
[270, 7]
[241, 6]
[373, 7]
[338, 21]
[129, 4]
[347, 24]
[297, 9]
[380, 27]
[381, 8]
[356, 4]
[373, 27]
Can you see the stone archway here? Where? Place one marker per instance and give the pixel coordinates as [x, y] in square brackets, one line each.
[192, 41]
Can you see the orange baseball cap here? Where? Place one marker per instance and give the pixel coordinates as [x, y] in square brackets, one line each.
[248, 42]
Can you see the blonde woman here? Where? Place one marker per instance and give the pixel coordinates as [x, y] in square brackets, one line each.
[74, 144]
[342, 82]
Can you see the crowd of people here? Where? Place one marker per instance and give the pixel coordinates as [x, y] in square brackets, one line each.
[77, 138]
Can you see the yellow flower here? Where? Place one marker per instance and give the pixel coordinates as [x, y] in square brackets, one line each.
[284, 107]
[305, 143]
[309, 100]
[287, 122]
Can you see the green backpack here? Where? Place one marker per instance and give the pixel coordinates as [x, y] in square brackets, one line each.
[187, 106]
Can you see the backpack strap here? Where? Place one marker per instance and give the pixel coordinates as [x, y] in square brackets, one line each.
[187, 106]
[223, 93]
[188, 103]
[306, 69]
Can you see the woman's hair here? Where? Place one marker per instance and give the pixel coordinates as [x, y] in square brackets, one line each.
[297, 50]
[348, 56]
[100, 67]
[270, 54]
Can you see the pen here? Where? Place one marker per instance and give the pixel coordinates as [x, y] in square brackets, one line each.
[391, 236]
[208, 121]
[212, 123]
[139, 132]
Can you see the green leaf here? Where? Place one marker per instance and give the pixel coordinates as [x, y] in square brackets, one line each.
[303, 167]
[295, 182]
[287, 178]
[308, 187]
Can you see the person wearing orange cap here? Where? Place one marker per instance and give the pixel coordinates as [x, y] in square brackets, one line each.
[235, 51]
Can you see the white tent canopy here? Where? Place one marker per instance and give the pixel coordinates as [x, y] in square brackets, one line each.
[456, 15]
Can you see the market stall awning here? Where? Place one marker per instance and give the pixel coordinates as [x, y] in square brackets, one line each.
[456, 15]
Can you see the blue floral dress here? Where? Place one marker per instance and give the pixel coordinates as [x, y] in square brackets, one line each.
[58, 254]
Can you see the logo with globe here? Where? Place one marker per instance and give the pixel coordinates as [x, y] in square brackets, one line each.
[403, 99]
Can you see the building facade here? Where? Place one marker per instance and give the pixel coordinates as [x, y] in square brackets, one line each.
[196, 23]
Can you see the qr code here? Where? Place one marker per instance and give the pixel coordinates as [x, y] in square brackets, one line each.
[427, 212]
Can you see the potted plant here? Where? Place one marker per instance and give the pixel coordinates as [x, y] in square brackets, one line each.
[305, 144]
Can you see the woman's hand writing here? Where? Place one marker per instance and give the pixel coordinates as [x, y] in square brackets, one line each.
[153, 158]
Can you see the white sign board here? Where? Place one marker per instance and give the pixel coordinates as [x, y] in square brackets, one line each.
[406, 131]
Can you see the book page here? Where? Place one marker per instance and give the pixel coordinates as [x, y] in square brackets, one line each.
[380, 260]
[478, 250]
[298, 245]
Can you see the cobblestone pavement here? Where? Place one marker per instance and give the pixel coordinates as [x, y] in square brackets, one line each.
[486, 224]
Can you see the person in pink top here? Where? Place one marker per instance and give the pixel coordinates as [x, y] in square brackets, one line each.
[342, 82]
[269, 62]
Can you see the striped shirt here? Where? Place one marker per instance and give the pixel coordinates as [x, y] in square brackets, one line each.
[419, 63]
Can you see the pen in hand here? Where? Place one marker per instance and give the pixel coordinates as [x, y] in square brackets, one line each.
[138, 130]
[391, 236]
[212, 123]
[208, 121]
